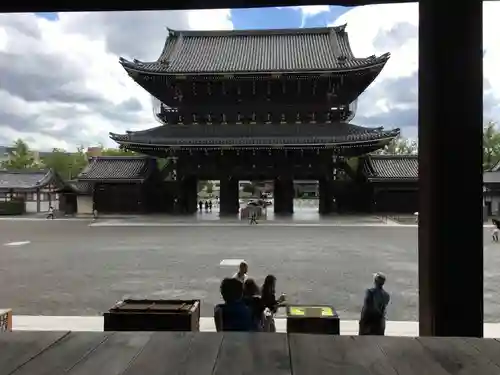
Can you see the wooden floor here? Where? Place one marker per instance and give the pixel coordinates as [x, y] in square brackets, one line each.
[145, 353]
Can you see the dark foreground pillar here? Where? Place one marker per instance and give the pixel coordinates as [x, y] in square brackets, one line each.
[229, 197]
[450, 214]
[284, 193]
[326, 196]
[188, 195]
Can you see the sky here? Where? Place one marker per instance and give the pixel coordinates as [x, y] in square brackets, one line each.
[61, 84]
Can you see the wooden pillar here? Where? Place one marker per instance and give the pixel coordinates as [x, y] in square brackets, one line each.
[189, 195]
[229, 196]
[326, 196]
[284, 193]
[283, 198]
[450, 214]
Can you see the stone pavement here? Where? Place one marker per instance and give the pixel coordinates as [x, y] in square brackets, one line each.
[61, 268]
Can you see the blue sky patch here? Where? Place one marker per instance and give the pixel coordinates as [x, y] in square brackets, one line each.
[48, 16]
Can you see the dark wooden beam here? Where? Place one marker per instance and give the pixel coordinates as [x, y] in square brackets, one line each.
[95, 5]
[450, 122]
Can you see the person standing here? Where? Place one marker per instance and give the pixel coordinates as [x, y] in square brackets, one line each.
[241, 275]
[372, 320]
[271, 304]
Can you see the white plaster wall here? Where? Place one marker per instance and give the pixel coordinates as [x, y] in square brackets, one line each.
[30, 207]
[495, 205]
[84, 204]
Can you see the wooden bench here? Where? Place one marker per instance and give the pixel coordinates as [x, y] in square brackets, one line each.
[5, 320]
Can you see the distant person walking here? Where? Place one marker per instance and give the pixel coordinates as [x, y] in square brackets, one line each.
[200, 205]
[253, 217]
[210, 205]
[241, 275]
[372, 320]
[51, 213]
[496, 228]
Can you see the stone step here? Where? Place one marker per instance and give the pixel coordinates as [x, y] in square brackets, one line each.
[96, 323]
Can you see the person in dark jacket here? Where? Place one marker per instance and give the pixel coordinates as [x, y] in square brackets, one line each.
[251, 297]
[233, 314]
[372, 320]
[271, 304]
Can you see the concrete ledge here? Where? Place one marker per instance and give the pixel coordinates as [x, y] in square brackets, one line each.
[96, 323]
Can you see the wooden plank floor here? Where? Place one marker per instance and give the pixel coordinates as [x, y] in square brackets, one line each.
[187, 353]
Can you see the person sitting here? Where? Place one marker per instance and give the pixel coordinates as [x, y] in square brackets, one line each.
[271, 304]
[372, 320]
[233, 314]
[251, 297]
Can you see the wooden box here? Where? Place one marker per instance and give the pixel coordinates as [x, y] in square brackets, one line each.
[153, 315]
[319, 319]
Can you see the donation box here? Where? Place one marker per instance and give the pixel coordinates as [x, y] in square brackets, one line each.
[317, 319]
[153, 315]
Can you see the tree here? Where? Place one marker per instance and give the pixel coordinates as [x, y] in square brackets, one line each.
[491, 145]
[20, 158]
[116, 152]
[67, 164]
[209, 187]
[400, 146]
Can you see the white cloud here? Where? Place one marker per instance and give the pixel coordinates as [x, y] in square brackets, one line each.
[60, 81]
[392, 99]
[309, 11]
[61, 84]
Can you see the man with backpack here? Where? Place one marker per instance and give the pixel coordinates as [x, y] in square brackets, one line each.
[372, 320]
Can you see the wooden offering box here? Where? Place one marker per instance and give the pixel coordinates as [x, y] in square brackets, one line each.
[312, 319]
[153, 315]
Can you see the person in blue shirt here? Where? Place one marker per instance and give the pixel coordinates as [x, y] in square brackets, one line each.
[372, 320]
[233, 314]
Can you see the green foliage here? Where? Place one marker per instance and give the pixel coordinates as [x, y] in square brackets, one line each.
[67, 164]
[249, 188]
[400, 146]
[13, 207]
[209, 187]
[491, 145]
[21, 158]
[116, 152]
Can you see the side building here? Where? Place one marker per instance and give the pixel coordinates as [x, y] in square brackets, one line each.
[38, 190]
[392, 182]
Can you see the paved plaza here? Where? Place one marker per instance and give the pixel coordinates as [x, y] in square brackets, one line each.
[66, 267]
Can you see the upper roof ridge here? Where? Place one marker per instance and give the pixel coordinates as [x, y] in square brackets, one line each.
[256, 32]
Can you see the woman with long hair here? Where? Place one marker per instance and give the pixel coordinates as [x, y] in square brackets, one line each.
[270, 302]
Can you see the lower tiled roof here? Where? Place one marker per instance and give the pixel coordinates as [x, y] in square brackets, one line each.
[27, 180]
[220, 135]
[79, 187]
[391, 167]
[117, 168]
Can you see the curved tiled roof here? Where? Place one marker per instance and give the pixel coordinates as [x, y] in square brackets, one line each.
[391, 167]
[27, 180]
[220, 135]
[255, 51]
[116, 168]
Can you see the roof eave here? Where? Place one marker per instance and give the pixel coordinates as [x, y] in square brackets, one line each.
[113, 180]
[378, 62]
[390, 179]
